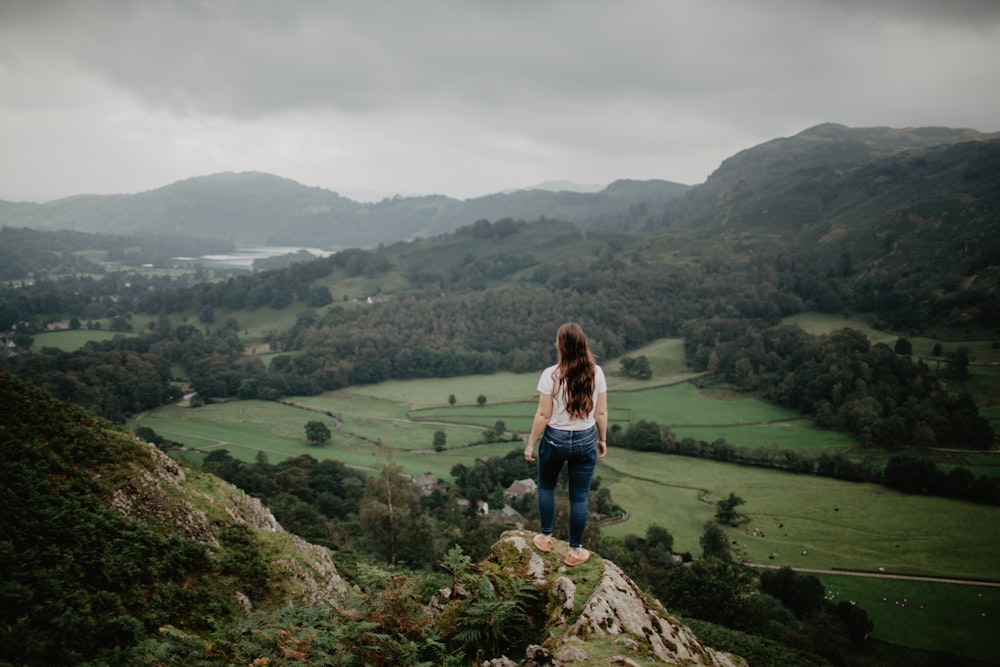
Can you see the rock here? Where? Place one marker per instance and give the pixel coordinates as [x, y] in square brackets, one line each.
[614, 617]
[160, 492]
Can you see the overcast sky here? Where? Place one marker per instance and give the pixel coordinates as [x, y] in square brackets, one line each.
[464, 97]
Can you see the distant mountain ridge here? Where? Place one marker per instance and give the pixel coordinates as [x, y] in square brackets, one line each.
[827, 183]
[253, 207]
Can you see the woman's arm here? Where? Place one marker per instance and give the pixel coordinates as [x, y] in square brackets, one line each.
[601, 417]
[542, 416]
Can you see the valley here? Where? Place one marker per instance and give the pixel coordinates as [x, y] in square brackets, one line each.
[808, 523]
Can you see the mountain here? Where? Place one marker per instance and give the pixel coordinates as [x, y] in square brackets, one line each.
[560, 186]
[876, 200]
[113, 553]
[103, 539]
[256, 208]
[879, 200]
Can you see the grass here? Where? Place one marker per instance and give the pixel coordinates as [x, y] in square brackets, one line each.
[687, 405]
[804, 521]
[837, 524]
[934, 535]
[955, 618]
[71, 340]
[798, 435]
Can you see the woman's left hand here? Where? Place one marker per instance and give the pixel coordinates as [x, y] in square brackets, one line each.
[529, 453]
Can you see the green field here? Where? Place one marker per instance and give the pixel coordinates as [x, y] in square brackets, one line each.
[371, 424]
[70, 340]
[802, 521]
[962, 619]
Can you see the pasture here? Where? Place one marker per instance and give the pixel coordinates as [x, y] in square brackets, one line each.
[370, 425]
[801, 521]
[69, 340]
[957, 618]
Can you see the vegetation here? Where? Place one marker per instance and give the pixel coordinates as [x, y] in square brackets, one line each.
[899, 402]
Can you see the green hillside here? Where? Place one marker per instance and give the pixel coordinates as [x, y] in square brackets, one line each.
[105, 541]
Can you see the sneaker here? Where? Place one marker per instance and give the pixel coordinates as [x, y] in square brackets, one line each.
[543, 542]
[579, 558]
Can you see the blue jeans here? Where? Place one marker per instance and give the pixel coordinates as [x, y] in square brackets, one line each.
[578, 449]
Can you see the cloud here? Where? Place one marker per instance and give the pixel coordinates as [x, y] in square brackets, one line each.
[464, 97]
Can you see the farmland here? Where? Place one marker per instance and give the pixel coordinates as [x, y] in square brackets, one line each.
[800, 521]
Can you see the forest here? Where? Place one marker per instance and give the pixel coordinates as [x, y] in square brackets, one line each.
[727, 307]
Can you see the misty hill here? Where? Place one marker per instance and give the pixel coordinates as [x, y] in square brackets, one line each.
[119, 555]
[879, 198]
[256, 208]
[832, 188]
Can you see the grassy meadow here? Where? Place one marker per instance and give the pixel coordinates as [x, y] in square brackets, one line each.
[957, 618]
[69, 340]
[799, 521]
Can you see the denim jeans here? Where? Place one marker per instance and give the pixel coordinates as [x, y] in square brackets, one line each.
[578, 449]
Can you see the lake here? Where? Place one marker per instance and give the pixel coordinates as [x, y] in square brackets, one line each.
[244, 256]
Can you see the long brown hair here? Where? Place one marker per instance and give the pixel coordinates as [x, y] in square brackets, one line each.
[576, 370]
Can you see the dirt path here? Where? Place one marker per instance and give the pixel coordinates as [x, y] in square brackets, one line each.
[882, 575]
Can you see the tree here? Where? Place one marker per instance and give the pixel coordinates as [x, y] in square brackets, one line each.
[802, 593]
[440, 438]
[318, 296]
[644, 436]
[957, 363]
[317, 432]
[725, 510]
[481, 400]
[638, 367]
[451, 399]
[903, 346]
[394, 526]
[714, 543]
[712, 590]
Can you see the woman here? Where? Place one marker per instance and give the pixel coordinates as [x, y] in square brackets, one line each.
[572, 422]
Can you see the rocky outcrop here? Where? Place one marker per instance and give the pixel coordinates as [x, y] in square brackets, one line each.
[161, 493]
[153, 494]
[596, 614]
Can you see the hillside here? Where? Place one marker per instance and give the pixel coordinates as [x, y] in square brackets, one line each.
[879, 199]
[105, 539]
[256, 208]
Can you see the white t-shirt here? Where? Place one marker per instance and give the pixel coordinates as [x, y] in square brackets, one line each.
[560, 419]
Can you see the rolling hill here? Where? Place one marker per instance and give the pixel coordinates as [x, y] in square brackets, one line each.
[257, 208]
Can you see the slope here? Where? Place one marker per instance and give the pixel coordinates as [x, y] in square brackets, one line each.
[105, 540]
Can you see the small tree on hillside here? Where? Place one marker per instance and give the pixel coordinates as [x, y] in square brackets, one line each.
[440, 438]
[317, 432]
[725, 510]
[481, 400]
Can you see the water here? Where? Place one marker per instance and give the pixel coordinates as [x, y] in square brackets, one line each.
[244, 256]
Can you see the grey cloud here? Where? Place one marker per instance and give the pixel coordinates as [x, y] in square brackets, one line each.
[586, 82]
